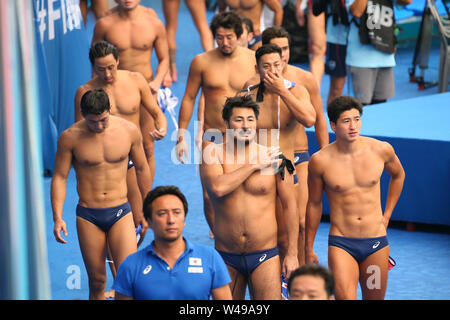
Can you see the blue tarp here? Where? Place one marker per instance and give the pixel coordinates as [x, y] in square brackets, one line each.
[63, 65]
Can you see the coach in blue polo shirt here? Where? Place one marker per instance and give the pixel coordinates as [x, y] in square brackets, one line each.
[171, 267]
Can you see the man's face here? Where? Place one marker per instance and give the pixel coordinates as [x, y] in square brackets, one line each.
[308, 287]
[128, 4]
[106, 68]
[168, 218]
[269, 63]
[348, 125]
[227, 40]
[283, 43]
[97, 123]
[243, 123]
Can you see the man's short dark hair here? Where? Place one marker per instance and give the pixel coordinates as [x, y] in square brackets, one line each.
[317, 271]
[248, 23]
[102, 49]
[341, 104]
[266, 49]
[273, 33]
[159, 192]
[239, 102]
[94, 102]
[227, 20]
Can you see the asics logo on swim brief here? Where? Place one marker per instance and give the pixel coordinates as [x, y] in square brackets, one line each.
[376, 245]
[119, 212]
[263, 257]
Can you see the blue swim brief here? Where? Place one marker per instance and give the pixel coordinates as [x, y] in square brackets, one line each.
[300, 157]
[246, 263]
[358, 248]
[104, 218]
[130, 163]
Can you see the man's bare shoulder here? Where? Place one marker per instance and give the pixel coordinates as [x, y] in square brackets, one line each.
[90, 85]
[247, 53]
[324, 155]
[71, 135]
[151, 16]
[255, 79]
[382, 148]
[106, 21]
[301, 76]
[133, 76]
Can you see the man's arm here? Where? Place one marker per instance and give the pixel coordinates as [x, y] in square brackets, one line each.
[321, 128]
[162, 53]
[187, 106]
[100, 30]
[358, 7]
[276, 7]
[150, 104]
[395, 169]
[296, 99]
[222, 293]
[285, 190]
[313, 208]
[119, 296]
[63, 161]
[137, 154]
[216, 180]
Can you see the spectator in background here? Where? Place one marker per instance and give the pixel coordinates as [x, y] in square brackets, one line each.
[371, 69]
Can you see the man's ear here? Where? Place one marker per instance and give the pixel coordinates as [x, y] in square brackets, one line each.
[333, 126]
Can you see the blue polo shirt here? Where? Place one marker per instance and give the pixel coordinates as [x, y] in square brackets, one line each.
[145, 276]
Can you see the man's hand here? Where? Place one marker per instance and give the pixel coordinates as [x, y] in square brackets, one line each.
[181, 149]
[274, 82]
[59, 226]
[158, 134]
[290, 263]
[154, 87]
[311, 257]
[268, 158]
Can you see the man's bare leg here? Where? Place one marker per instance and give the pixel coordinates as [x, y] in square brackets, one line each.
[302, 200]
[317, 34]
[148, 125]
[265, 280]
[170, 9]
[346, 273]
[198, 13]
[336, 87]
[374, 275]
[238, 284]
[282, 235]
[92, 242]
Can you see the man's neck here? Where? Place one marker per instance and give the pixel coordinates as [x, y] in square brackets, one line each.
[130, 14]
[170, 251]
[348, 147]
[240, 149]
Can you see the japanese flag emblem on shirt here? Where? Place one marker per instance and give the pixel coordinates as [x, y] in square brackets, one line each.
[195, 261]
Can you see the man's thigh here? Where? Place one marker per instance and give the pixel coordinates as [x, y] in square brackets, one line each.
[374, 274]
[346, 273]
[122, 239]
[265, 281]
[384, 86]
